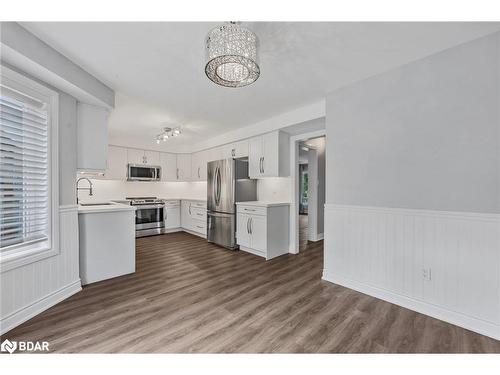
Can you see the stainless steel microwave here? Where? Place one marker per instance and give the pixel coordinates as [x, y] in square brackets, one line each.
[142, 172]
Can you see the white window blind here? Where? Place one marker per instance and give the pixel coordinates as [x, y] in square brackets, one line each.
[24, 178]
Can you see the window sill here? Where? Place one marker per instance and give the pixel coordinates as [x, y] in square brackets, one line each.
[20, 259]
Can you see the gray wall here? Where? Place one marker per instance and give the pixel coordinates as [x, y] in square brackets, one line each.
[422, 136]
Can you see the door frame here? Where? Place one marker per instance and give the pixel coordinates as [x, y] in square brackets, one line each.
[294, 168]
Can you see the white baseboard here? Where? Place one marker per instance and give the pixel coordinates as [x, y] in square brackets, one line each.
[467, 322]
[318, 237]
[172, 230]
[28, 312]
[195, 233]
[253, 251]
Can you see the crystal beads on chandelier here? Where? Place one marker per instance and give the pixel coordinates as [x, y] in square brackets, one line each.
[232, 56]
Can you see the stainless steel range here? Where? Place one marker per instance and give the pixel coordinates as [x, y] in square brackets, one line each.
[149, 215]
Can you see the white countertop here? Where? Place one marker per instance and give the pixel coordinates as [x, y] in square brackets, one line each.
[263, 203]
[105, 207]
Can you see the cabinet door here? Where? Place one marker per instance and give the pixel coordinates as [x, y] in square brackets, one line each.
[235, 150]
[186, 220]
[240, 149]
[168, 164]
[183, 167]
[270, 154]
[135, 156]
[172, 217]
[92, 136]
[216, 153]
[255, 157]
[117, 163]
[242, 230]
[228, 151]
[196, 166]
[152, 157]
[258, 232]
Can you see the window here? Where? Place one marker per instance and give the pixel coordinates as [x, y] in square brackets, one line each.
[28, 169]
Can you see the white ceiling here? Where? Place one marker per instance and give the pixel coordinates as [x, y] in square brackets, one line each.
[157, 69]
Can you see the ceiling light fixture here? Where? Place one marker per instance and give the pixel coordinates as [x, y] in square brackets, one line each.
[232, 56]
[167, 133]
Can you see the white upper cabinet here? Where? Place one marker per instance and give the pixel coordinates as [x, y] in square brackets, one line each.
[183, 167]
[268, 155]
[92, 135]
[152, 158]
[168, 164]
[117, 163]
[136, 156]
[235, 150]
[199, 165]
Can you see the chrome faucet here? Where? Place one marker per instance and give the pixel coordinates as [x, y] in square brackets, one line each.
[79, 188]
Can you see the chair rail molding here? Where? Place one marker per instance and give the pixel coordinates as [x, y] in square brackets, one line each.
[440, 263]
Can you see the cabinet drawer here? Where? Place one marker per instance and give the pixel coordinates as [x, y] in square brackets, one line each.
[198, 204]
[253, 210]
[199, 226]
[198, 213]
[172, 203]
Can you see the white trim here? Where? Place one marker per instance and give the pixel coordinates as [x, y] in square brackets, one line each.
[318, 237]
[391, 253]
[473, 324]
[294, 206]
[256, 252]
[68, 208]
[22, 315]
[418, 211]
[194, 233]
[23, 257]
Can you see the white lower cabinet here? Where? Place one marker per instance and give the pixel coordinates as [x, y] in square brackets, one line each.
[194, 217]
[172, 214]
[263, 228]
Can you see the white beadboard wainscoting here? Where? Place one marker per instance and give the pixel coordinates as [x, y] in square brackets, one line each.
[442, 264]
[28, 290]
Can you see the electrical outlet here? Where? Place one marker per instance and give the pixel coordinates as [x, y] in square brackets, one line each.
[427, 274]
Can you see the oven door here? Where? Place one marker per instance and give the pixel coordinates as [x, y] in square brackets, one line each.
[149, 217]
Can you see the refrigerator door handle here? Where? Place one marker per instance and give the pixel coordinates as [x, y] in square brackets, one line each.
[218, 186]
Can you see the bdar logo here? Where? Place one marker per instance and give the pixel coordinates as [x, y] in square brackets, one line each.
[8, 346]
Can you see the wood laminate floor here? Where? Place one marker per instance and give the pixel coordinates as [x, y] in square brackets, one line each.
[190, 296]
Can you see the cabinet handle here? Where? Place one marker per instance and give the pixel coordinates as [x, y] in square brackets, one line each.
[260, 164]
[198, 172]
[248, 223]
[249, 209]
[190, 209]
[233, 152]
[263, 170]
[251, 225]
[177, 172]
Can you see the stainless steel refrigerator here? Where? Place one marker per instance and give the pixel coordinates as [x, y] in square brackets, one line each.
[227, 183]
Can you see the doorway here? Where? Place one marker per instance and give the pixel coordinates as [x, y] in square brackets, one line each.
[309, 174]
